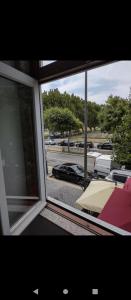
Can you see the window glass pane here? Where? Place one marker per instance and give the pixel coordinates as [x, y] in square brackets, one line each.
[17, 145]
[63, 168]
[66, 93]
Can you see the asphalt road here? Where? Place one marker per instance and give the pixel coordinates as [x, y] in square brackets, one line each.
[59, 189]
[55, 158]
[63, 191]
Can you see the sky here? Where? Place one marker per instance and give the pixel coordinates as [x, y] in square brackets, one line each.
[47, 62]
[112, 79]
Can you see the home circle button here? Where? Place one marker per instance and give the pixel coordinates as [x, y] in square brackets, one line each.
[65, 291]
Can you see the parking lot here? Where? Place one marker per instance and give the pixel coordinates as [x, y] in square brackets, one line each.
[68, 192]
[62, 190]
[55, 158]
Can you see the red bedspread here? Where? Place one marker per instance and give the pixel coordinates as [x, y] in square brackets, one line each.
[127, 185]
[117, 210]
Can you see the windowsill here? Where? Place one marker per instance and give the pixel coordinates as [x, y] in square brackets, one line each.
[64, 223]
[93, 225]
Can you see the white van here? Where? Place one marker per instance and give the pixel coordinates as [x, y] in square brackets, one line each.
[91, 161]
[104, 164]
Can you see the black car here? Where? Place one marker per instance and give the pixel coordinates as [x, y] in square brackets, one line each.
[65, 143]
[106, 146]
[81, 145]
[71, 172]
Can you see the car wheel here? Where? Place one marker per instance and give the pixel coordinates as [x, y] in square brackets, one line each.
[80, 182]
[55, 174]
[95, 174]
[83, 184]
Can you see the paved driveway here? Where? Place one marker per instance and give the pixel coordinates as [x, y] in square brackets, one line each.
[63, 191]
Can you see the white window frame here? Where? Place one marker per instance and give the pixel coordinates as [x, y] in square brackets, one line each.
[13, 74]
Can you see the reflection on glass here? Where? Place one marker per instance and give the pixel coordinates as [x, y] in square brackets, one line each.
[17, 145]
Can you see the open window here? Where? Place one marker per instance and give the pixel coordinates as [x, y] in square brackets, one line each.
[23, 180]
[58, 93]
[21, 148]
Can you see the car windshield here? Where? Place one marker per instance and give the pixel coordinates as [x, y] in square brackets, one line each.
[78, 169]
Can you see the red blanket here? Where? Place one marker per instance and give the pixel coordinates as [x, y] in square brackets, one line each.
[127, 185]
[117, 210]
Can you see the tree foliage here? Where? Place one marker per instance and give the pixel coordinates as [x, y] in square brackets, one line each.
[93, 112]
[111, 114]
[122, 140]
[105, 116]
[61, 119]
[54, 98]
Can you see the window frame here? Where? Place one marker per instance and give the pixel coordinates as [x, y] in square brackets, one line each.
[85, 216]
[60, 68]
[9, 72]
[55, 75]
[16, 75]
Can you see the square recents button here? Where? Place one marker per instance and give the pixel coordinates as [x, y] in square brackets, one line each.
[94, 291]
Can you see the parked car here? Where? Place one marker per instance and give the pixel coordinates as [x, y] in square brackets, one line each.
[106, 146]
[56, 135]
[119, 175]
[104, 164]
[71, 172]
[81, 145]
[50, 142]
[65, 143]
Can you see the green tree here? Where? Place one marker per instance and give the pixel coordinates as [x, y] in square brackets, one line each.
[61, 119]
[74, 103]
[122, 140]
[112, 112]
[93, 111]
[101, 117]
[54, 98]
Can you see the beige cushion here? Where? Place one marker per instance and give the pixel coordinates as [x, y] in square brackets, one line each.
[96, 195]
